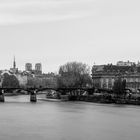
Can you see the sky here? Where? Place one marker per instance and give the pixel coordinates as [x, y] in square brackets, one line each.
[55, 32]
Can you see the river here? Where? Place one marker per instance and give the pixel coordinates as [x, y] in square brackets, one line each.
[45, 120]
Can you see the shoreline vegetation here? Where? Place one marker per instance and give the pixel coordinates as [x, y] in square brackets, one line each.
[132, 99]
[107, 98]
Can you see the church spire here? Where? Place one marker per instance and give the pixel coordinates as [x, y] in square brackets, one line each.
[14, 63]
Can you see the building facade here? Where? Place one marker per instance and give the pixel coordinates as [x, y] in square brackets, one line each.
[28, 67]
[105, 76]
[38, 68]
[23, 80]
[126, 63]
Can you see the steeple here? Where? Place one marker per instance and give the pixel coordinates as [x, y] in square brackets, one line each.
[14, 63]
[14, 70]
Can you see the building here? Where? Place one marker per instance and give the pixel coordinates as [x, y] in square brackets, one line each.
[14, 69]
[22, 80]
[28, 67]
[104, 76]
[38, 68]
[21, 77]
[43, 80]
[128, 63]
[36, 72]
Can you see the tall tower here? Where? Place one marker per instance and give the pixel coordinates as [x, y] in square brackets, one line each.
[14, 69]
[28, 67]
[14, 63]
[38, 68]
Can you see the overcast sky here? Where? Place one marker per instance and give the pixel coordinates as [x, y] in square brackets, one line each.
[54, 32]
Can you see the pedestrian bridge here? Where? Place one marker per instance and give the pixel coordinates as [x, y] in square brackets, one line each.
[34, 91]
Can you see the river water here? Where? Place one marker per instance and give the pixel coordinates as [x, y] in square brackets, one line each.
[45, 120]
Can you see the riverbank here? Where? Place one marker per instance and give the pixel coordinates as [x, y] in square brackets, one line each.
[107, 99]
[96, 98]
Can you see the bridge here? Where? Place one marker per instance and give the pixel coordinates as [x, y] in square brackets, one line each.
[33, 91]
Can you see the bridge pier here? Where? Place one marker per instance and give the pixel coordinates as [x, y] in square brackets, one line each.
[2, 96]
[33, 97]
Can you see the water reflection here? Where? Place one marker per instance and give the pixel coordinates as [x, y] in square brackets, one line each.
[20, 119]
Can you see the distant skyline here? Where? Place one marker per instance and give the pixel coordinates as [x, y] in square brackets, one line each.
[33, 65]
[54, 32]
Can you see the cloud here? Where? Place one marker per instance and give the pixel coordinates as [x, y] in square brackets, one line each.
[18, 12]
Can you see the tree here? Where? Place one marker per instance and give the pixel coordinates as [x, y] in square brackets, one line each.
[74, 74]
[10, 81]
[119, 87]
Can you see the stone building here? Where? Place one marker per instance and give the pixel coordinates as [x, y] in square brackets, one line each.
[104, 76]
[23, 79]
[36, 71]
[126, 63]
[28, 67]
[38, 68]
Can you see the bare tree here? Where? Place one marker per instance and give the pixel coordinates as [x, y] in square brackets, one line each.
[74, 74]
